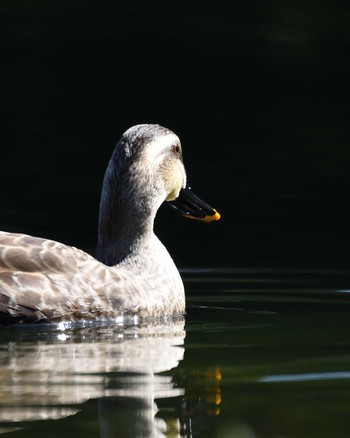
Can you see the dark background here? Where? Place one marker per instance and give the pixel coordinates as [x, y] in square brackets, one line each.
[257, 91]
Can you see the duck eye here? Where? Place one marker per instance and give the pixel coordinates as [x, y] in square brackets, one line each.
[176, 149]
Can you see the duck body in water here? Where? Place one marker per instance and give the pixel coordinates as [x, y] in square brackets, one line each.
[133, 274]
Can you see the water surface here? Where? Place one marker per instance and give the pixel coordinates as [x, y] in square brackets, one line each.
[260, 353]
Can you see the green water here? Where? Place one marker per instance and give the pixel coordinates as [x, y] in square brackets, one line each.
[260, 353]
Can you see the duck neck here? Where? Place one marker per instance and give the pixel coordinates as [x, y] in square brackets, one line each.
[125, 223]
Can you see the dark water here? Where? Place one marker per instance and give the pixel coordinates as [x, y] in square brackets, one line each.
[260, 353]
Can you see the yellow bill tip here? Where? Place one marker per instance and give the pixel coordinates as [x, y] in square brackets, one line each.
[213, 217]
[208, 218]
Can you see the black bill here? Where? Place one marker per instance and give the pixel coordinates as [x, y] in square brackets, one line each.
[189, 205]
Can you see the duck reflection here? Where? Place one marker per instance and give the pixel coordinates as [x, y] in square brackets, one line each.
[133, 371]
[47, 374]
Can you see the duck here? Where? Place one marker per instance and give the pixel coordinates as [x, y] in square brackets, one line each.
[132, 273]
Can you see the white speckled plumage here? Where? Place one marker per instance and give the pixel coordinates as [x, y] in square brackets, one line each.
[133, 273]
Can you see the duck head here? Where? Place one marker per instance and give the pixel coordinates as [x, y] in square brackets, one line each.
[145, 170]
[149, 157]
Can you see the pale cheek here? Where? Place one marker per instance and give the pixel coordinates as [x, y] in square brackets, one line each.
[176, 184]
[173, 195]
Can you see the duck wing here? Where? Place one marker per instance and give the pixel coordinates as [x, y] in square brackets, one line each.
[42, 279]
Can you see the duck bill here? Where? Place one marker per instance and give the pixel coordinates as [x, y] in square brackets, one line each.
[190, 206]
